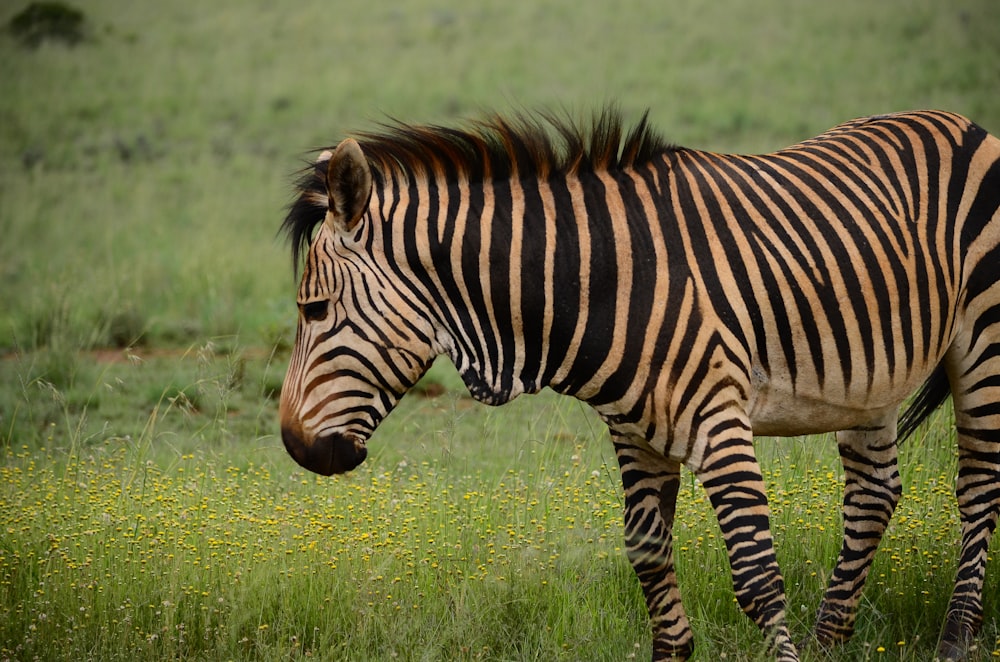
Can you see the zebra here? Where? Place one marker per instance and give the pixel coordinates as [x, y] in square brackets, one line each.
[693, 299]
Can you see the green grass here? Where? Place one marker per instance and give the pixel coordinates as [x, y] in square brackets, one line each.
[155, 547]
[147, 507]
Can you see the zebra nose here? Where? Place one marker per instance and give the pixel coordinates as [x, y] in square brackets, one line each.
[326, 455]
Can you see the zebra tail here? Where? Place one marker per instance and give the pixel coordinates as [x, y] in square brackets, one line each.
[930, 396]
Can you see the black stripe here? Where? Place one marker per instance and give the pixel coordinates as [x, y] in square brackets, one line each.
[565, 292]
[985, 203]
[599, 329]
[531, 265]
[470, 268]
[640, 302]
[500, 264]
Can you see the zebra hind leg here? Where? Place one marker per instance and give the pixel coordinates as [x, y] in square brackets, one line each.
[978, 494]
[872, 488]
[973, 365]
[651, 483]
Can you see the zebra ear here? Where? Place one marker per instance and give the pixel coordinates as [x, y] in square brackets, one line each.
[348, 185]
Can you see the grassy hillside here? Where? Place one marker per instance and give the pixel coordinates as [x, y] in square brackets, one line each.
[143, 172]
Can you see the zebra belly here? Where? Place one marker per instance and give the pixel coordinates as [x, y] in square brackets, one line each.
[780, 413]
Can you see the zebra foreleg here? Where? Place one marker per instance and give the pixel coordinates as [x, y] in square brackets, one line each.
[872, 488]
[978, 493]
[651, 483]
[732, 479]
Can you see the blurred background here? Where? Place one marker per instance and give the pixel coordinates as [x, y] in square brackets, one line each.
[147, 149]
[146, 154]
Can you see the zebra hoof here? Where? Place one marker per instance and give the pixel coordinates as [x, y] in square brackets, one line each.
[671, 651]
[957, 640]
[953, 651]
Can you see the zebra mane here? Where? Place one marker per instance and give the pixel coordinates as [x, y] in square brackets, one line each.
[538, 145]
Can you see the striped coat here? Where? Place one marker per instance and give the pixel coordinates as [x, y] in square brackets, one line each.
[693, 299]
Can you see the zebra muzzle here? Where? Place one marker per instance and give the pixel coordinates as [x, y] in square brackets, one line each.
[327, 454]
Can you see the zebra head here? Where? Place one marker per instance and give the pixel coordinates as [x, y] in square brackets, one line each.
[360, 344]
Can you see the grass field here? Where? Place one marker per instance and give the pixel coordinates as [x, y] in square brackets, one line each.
[147, 507]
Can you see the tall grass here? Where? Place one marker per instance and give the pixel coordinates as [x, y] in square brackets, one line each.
[152, 547]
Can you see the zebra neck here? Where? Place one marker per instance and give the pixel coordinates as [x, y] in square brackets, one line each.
[530, 273]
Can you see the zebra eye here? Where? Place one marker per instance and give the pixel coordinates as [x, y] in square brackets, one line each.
[314, 311]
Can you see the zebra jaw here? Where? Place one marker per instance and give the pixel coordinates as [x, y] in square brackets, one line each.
[328, 454]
